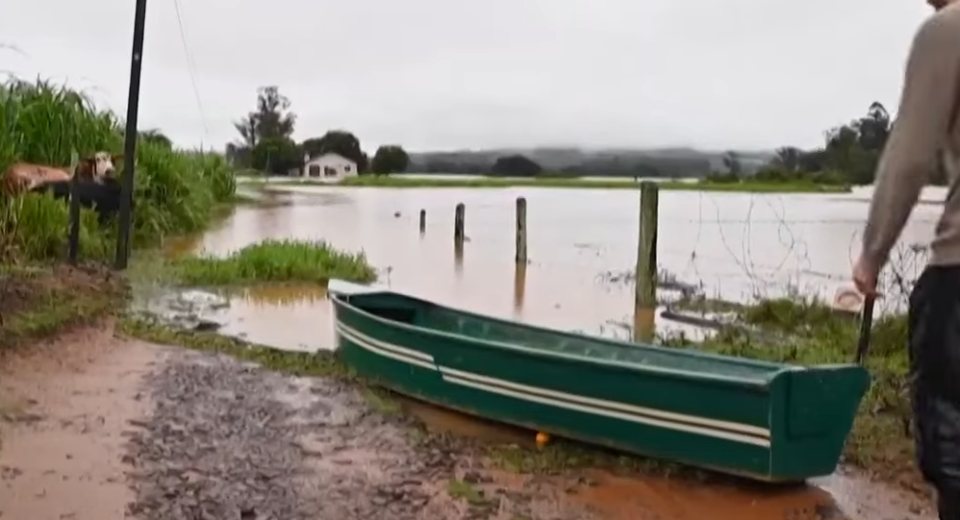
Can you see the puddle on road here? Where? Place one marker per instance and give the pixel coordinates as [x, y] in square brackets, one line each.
[844, 496]
[291, 317]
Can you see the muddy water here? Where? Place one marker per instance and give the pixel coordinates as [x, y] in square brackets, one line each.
[289, 317]
[736, 245]
[844, 495]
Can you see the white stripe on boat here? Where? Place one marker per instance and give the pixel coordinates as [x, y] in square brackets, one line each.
[736, 432]
[356, 337]
[625, 416]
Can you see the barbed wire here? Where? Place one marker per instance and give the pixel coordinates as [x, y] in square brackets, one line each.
[784, 267]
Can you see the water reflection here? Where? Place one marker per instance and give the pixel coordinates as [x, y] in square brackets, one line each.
[291, 317]
[458, 259]
[519, 288]
[736, 245]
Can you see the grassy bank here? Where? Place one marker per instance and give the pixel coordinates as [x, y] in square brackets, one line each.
[580, 183]
[177, 191]
[38, 301]
[274, 261]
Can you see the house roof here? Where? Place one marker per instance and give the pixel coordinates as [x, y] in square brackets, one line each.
[330, 155]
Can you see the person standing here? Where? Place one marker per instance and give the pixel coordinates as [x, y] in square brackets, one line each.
[926, 138]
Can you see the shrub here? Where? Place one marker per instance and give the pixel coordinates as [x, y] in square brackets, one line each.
[176, 191]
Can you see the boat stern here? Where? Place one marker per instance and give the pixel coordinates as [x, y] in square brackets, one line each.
[812, 411]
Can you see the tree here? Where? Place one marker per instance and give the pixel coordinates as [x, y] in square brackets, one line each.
[272, 119]
[874, 129]
[340, 142]
[788, 158]
[731, 161]
[276, 155]
[515, 166]
[389, 159]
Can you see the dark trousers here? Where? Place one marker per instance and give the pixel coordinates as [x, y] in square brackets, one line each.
[934, 330]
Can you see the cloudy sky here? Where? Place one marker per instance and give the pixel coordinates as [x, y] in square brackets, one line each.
[447, 74]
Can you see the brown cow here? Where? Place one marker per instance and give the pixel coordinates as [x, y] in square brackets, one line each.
[23, 177]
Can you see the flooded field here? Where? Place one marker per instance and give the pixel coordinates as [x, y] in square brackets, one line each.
[581, 246]
[582, 243]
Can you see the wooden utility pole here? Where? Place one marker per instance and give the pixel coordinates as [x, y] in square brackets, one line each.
[130, 139]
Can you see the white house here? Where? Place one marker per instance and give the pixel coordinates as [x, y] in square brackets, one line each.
[329, 167]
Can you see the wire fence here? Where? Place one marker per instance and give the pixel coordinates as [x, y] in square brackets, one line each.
[771, 247]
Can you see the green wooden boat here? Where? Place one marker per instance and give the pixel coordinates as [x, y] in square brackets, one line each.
[765, 421]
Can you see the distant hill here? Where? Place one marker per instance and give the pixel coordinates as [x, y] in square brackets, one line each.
[659, 162]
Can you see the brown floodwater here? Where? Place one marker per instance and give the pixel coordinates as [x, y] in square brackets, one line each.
[580, 243]
[844, 495]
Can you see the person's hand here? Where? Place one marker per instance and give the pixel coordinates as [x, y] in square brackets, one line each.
[865, 277]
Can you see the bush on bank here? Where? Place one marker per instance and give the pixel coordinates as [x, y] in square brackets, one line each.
[176, 191]
[275, 261]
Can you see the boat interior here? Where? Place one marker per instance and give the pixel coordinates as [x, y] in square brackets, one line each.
[436, 318]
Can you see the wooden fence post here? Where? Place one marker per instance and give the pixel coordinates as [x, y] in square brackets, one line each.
[73, 238]
[646, 274]
[521, 255]
[458, 223]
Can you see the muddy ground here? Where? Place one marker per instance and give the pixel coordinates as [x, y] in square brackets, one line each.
[38, 300]
[96, 427]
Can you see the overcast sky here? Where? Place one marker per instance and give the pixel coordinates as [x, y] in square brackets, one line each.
[447, 74]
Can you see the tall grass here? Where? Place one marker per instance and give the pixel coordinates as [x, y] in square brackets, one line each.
[276, 261]
[40, 122]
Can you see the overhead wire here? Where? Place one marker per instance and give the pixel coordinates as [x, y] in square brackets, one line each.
[191, 69]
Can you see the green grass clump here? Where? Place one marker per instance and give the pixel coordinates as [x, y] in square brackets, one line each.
[276, 261]
[176, 191]
[384, 181]
[35, 228]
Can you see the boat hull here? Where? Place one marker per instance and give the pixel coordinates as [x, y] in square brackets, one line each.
[756, 428]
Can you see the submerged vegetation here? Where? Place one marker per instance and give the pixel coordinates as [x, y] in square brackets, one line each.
[275, 261]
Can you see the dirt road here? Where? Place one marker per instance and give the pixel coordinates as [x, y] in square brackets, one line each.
[98, 428]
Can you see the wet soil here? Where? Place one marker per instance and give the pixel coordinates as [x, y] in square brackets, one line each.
[38, 300]
[96, 427]
[65, 408]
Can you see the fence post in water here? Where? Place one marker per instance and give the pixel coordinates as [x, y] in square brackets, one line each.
[73, 238]
[458, 219]
[423, 221]
[521, 256]
[646, 275]
[519, 288]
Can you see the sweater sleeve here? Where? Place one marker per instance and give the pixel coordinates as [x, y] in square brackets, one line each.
[923, 121]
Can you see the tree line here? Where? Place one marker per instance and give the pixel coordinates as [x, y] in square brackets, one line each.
[266, 142]
[849, 154]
